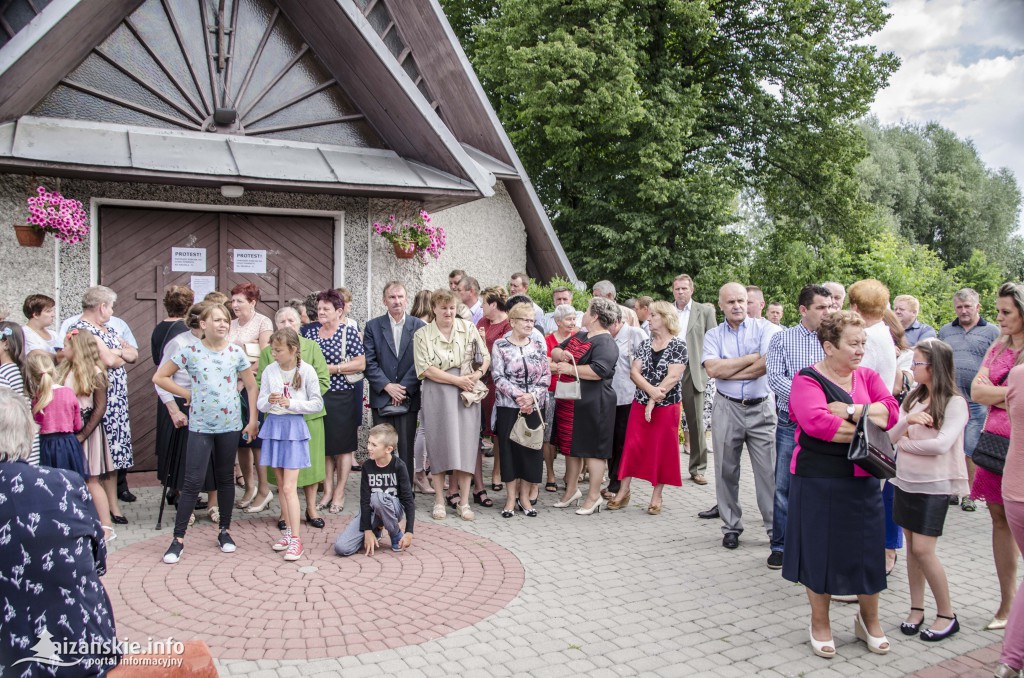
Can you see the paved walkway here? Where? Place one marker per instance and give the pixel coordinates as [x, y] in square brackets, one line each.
[613, 594]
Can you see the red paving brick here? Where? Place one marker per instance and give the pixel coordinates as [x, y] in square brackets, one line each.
[252, 604]
[977, 664]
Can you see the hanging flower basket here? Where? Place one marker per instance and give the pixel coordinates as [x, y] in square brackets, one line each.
[412, 237]
[404, 251]
[28, 235]
[51, 212]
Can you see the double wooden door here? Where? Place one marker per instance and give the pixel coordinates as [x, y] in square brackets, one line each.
[135, 261]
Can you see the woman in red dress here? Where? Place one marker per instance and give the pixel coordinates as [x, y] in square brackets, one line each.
[493, 326]
[651, 451]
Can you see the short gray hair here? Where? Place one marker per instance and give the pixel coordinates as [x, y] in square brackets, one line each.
[563, 311]
[602, 288]
[288, 309]
[605, 311]
[97, 295]
[16, 426]
[967, 294]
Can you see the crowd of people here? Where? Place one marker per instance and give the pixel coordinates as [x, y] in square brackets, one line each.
[454, 374]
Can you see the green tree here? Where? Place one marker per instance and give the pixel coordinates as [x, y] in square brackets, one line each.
[640, 121]
[940, 191]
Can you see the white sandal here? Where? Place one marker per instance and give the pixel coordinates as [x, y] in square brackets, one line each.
[465, 512]
[874, 643]
[440, 513]
[113, 535]
[214, 514]
[819, 645]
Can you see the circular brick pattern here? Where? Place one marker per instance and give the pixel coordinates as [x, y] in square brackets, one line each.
[252, 604]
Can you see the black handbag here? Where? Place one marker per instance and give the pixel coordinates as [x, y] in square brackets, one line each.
[392, 410]
[872, 450]
[990, 452]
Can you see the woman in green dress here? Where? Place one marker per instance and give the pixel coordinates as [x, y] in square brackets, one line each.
[309, 478]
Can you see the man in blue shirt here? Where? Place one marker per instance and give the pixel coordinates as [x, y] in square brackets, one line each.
[970, 338]
[734, 355]
[789, 352]
[906, 309]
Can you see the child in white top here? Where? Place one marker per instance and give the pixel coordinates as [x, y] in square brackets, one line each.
[289, 389]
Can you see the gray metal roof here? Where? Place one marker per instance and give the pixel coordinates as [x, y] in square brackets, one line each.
[160, 150]
[491, 164]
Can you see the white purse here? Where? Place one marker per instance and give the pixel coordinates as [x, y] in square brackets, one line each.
[569, 390]
[523, 435]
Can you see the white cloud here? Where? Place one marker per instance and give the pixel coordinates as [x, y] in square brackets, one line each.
[963, 67]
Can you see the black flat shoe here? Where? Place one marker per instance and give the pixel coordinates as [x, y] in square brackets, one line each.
[127, 496]
[282, 525]
[119, 520]
[318, 523]
[731, 540]
[909, 629]
[934, 636]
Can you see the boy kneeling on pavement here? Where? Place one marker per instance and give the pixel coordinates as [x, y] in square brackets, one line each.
[385, 496]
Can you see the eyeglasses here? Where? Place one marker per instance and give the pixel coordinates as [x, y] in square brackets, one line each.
[917, 364]
[528, 320]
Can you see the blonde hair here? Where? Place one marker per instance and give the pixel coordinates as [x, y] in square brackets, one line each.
[290, 338]
[16, 426]
[521, 310]
[385, 434]
[42, 377]
[668, 315]
[914, 304]
[85, 358]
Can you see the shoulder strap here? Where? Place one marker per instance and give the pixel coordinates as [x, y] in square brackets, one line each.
[832, 392]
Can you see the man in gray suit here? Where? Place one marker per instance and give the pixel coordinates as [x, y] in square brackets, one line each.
[695, 319]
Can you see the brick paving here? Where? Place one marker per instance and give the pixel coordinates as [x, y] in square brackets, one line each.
[613, 594]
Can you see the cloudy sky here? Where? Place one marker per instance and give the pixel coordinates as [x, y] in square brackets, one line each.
[963, 66]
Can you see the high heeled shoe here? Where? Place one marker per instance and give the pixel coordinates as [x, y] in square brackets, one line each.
[262, 506]
[574, 498]
[596, 508]
[909, 629]
[532, 513]
[818, 646]
[931, 636]
[614, 505]
[874, 643]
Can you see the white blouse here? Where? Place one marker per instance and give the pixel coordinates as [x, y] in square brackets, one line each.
[304, 400]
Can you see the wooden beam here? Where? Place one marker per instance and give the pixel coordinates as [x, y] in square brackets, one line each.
[277, 78]
[184, 52]
[291, 102]
[160, 115]
[144, 83]
[165, 68]
[301, 125]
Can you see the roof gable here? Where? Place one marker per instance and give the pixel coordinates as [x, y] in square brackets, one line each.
[282, 69]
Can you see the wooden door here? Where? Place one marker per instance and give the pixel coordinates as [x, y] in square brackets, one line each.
[135, 261]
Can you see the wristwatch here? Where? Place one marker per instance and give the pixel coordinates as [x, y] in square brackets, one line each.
[850, 409]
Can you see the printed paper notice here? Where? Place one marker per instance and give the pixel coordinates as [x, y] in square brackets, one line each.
[188, 259]
[250, 261]
[202, 285]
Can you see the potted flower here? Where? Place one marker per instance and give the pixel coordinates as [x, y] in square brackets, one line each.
[413, 236]
[51, 212]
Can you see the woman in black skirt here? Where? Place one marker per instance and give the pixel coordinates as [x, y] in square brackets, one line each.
[930, 466]
[835, 535]
[344, 352]
[519, 366]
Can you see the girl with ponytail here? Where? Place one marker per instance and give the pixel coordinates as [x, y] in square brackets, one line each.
[55, 408]
[289, 389]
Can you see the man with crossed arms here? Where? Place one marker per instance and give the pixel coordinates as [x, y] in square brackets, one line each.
[744, 413]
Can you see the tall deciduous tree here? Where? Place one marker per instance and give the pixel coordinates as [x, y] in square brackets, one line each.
[940, 192]
[641, 120]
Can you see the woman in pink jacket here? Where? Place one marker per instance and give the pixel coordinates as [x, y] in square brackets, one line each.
[930, 466]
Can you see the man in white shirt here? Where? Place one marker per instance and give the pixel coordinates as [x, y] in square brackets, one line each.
[469, 294]
[605, 288]
[559, 296]
[519, 283]
[695, 320]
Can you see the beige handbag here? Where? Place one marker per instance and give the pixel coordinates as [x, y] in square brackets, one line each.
[522, 434]
[569, 390]
[354, 377]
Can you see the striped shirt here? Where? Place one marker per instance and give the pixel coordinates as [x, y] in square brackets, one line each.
[790, 351]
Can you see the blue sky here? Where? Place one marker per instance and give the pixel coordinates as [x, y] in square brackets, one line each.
[963, 67]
